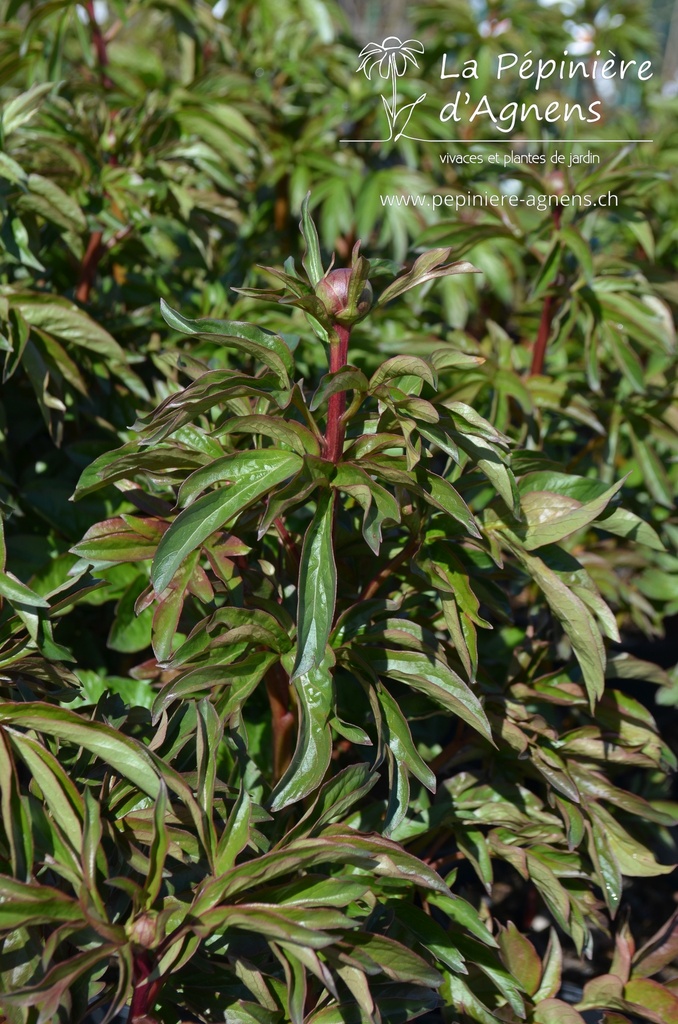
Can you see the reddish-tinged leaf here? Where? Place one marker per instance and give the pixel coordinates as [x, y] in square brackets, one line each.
[651, 995]
[555, 1011]
[659, 951]
[520, 957]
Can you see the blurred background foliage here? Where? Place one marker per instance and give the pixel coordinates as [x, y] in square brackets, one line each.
[162, 148]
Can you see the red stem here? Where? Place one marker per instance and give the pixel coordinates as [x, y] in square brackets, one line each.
[88, 268]
[383, 574]
[439, 763]
[283, 719]
[146, 994]
[336, 406]
[287, 540]
[99, 44]
[95, 247]
[90, 262]
[539, 354]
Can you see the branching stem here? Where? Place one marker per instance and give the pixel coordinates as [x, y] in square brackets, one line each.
[287, 540]
[390, 567]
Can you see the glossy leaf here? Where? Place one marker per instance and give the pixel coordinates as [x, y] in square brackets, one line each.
[213, 510]
[268, 348]
[433, 678]
[317, 589]
[313, 749]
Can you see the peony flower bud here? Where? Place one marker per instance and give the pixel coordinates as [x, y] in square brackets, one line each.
[333, 291]
[143, 930]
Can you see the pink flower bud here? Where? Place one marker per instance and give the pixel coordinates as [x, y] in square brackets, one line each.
[332, 290]
[143, 930]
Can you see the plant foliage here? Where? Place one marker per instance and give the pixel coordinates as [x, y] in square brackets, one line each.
[327, 649]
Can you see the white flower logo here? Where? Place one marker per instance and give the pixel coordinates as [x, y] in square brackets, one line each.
[391, 57]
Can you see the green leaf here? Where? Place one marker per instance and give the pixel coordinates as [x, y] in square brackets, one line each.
[642, 321]
[243, 472]
[555, 1011]
[312, 261]
[298, 437]
[131, 631]
[317, 588]
[442, 495]
[658, 998]
[397, 1005]
[357, 984]
[620, 521]
[468, 421]
[490, 462]
[650, 465]
[51, 989]
[213, 510]
[624, 523]
[236, 834]
[445, 358]
[336, 845]
[576, 619]
[91, 849]
[520, 957]
[18, 833]
[18, 593]
[395, 960]
[295, 977]
[130, 459]
[400, 366]
[548, 270]
[311, 758]
[23, 903]
[433, 678]
[606, 865]
[336, 797]
[60, 318]
[22, 108]
[49, 200]
[426, 267]
[552, 969]
[438, 942]
[659, 950]
[440, 438]
[378, 504]
[349, 378]
[458, 993]
[626, 359]
[247, 673]
[272, 923]
[268, 348]
[551, 517]
[635, 860]
[486, 960]
[58, 791]
[159, 848]
[125, 755]
[580, 249]
[396, 733]
[463, 634]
